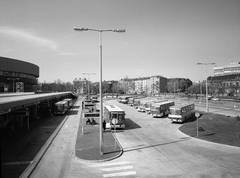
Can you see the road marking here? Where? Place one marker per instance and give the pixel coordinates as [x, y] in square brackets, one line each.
[120, 174]
[16, 163]
[110, 164]
[117, 168]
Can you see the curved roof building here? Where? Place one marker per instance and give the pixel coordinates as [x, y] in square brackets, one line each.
[16, 75]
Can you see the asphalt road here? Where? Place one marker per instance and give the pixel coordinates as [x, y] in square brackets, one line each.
[156, 148]
[153, 147]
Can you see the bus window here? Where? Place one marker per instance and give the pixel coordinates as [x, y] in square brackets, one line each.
[183, 110]
[120, 116]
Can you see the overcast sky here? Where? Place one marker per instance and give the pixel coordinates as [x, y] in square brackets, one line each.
[163, 37]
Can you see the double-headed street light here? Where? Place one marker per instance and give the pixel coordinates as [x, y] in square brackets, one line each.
[100, 74]
[207, 108]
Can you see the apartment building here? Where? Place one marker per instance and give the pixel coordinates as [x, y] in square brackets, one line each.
[145, 85]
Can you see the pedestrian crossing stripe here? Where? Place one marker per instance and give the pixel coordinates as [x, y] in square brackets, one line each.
[110, 164]
[115, 169]
[120, 174]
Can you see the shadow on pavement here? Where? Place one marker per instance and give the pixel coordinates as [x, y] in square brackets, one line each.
[131, 124]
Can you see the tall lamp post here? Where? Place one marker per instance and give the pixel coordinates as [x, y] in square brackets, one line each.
[100, 74]
[88, 82]
[13, 79]
[207, 108]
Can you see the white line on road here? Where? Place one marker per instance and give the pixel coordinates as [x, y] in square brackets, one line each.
[117, 168]
[110, 164]
[120, 174]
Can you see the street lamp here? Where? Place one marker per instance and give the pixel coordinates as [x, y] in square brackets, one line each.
[88, 82]
[100, 74]
[13, 79]
[207, 108]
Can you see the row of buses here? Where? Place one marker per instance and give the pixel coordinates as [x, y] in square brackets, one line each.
[160, 108]
[61, 107]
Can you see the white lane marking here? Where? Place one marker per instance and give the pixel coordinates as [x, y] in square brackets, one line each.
[110, 164]
[120, 174]
[116, 168]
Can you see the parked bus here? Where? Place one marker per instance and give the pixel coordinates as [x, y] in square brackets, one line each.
[70, 102]
[119, 99]
[136, 103]
[149, 104]
[113, 112]
[181, 113]
[124, 99]
[161, 109]
[142, 104]
[131, 101]
[61, 107]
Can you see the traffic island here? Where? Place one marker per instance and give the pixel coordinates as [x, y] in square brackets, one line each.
[214, 128]
[88, 145]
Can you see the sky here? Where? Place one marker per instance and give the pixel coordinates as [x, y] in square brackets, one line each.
[163, 37]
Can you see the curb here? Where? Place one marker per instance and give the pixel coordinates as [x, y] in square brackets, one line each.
[196, 138]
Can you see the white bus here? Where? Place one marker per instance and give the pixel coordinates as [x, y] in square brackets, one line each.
[61, 107]
[161, 109]
[181, 113]
[149, 104]
[113, 112]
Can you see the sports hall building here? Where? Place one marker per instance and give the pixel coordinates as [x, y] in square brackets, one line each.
[17, 76]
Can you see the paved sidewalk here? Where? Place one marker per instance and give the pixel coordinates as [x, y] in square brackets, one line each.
[88, 144]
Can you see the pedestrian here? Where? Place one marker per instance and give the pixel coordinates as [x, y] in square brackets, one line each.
[104, 125]
[88, 121]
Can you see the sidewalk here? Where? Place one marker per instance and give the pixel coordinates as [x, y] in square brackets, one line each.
[88, 144]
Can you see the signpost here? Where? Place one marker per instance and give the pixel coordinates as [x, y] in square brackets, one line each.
[197, 114]
[115, 121]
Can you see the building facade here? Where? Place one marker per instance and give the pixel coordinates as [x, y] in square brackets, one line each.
[226, 85]
[233, 68]
[226, 80]
[17, 76]
[144, 85]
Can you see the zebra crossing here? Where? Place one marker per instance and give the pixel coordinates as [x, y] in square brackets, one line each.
[116, 169]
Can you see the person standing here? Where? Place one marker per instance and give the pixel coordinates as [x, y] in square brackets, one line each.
[104, 125]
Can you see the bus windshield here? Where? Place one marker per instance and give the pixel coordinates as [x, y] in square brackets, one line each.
[120, 116]
[114, 115]
[175, 111]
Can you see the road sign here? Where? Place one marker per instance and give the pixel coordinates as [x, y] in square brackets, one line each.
[114, 121]
[197, 114]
